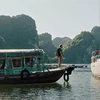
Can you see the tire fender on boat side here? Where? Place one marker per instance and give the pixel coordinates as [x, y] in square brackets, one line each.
[25, 74]
[66, 74]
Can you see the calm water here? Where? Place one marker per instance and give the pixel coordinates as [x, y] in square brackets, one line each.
[81, 86]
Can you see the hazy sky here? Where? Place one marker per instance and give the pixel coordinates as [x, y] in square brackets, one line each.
[60, 18]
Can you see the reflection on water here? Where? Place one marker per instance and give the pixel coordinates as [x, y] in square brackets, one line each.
[95, 90]
[81, 86]
[32, 92]
[66, 85]
[95, 81]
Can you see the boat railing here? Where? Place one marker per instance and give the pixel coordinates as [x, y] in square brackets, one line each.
[11, 68]
[97, 56]
[18, 70]
[15, 64]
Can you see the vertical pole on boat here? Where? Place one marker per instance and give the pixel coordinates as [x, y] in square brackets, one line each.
[43, 63]
[24, 63]
[6, 64]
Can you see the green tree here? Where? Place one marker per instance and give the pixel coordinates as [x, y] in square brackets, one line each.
[79, 50]
[96, 33]
[2, 43]
[19, 31]
[58, 40]
[45, 43]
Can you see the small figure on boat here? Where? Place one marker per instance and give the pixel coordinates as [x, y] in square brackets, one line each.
[59, 54]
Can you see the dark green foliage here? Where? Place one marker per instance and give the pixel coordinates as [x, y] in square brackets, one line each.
[57, 41]
[45, 43]
[18, 31]
[2, 43]
[79, 50]
[96, 33]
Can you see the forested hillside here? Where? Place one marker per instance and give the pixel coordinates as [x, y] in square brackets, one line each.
[45, 43]
[58, 40]
[80, 48]
[18, 32]
[96, 33]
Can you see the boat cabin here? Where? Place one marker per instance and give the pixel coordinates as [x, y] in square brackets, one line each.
[95, 55]
[13, 61]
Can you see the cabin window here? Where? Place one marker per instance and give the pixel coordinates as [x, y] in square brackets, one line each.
[39, 60]
[17, 62]
[2, 63]
[10, 64]
[30, 61]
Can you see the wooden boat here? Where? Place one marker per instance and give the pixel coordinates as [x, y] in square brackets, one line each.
[95, 63]
[22, 66]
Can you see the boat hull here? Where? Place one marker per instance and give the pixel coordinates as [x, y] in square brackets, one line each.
[38, 77]
[95, 68]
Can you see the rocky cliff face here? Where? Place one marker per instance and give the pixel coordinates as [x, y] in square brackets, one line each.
[58, 40]
[18, 32]
[80, 48]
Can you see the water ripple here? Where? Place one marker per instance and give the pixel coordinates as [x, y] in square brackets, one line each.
[81, 86]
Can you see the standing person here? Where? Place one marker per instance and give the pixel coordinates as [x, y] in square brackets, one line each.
[59, 55]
